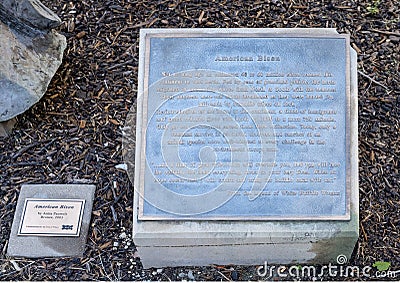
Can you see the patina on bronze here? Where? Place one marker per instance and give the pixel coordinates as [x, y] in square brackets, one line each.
[289, 97]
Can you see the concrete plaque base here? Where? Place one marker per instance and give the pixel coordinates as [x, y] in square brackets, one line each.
[54, 246]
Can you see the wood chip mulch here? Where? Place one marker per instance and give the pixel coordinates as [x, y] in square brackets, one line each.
[73, 135]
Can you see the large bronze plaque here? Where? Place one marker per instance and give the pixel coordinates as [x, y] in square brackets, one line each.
[243, 124]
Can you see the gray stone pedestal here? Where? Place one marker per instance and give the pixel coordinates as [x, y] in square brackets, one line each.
[242, 242]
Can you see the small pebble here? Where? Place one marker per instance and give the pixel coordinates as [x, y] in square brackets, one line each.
[234, 275]
[190, 275]
[122, 167]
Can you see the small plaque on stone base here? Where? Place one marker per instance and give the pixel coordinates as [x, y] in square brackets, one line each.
[51, 220]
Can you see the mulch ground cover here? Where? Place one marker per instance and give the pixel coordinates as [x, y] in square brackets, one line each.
[74, 134]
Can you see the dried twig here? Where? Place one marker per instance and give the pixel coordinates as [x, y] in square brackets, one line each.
[219, 272]
[385, 32]
[165, 275]
[363, 231]
[368, 77]
[16, 271]
[103, 268]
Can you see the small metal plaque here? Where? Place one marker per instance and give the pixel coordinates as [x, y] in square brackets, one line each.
[243, 125]
[51, 217]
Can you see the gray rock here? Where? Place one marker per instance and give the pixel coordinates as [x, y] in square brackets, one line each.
[30, 54]
[182, 275]
[29, 12]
